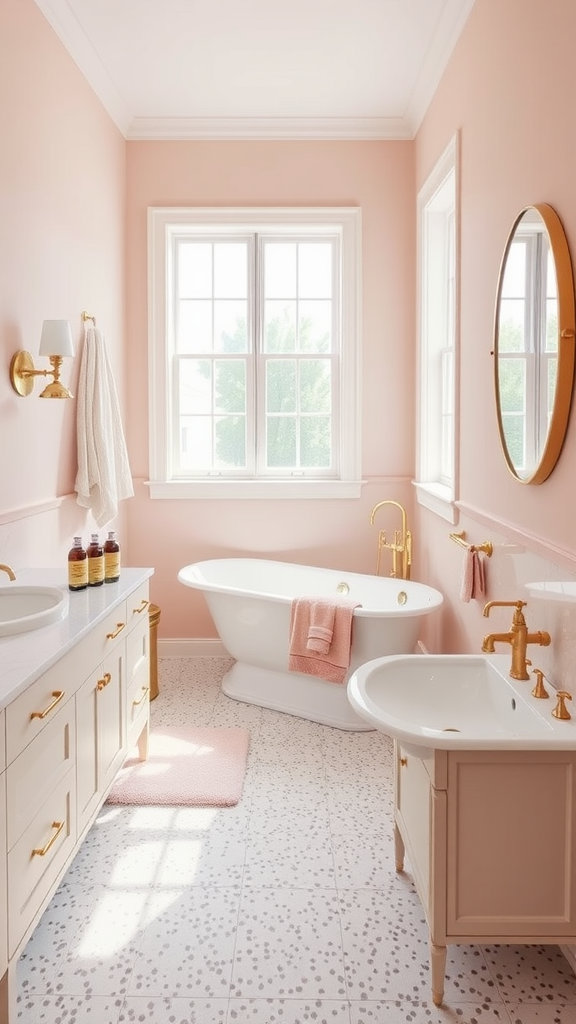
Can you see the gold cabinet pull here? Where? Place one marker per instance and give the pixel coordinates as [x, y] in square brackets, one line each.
[135, 703]
[403, 761]
[57, 694]
[119, 627]
[143, 605]
[103, 682]
[58, 825]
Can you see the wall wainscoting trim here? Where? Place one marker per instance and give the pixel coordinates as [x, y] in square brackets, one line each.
[36, 509]
[195, 648]
[538, 545]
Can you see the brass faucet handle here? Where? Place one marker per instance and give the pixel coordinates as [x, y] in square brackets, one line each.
[539, 690]
[561, 711]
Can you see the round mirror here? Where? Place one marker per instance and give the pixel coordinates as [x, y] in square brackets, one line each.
[534, 344]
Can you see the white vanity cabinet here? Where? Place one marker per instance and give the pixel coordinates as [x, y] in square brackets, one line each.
[62, 741]
[490, 837]
[3, 882]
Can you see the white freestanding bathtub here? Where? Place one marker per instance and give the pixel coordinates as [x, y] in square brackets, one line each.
[250, 601]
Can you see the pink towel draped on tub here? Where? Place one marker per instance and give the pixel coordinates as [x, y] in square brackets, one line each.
[321, 637]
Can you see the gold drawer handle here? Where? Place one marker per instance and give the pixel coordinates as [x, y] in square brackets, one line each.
[403, 761]
[143, 605]
[58, 825]
[135, 703]
[119, 627]
[103, 682]
[57, 694]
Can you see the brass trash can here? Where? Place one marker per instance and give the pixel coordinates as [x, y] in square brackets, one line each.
[154, 615]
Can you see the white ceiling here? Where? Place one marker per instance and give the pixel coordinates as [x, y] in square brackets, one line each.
[261, 68]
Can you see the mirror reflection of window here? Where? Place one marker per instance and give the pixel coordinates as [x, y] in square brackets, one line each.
[527, 343]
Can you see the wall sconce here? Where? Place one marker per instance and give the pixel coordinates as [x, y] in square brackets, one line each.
[55, 343]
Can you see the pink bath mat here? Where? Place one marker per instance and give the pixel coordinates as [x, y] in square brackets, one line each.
[186, 766]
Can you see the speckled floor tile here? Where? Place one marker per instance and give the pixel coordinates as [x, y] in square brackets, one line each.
[288, 1011]
[69, 1010]
[288, 944]
[556, 1013]
[408, 1011]
[285, 909]
[363, 859]
[188, 947]
[532, 974]
[291, 857]
[139, 1010]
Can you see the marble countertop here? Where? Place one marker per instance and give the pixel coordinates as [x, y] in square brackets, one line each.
[25, 656]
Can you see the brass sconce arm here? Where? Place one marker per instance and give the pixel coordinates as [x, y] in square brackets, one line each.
[55, 343]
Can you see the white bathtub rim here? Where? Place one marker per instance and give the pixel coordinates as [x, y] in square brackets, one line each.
[191, 576]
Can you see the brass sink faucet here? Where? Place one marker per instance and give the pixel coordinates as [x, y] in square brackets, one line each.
[518, 637]
[6, 568]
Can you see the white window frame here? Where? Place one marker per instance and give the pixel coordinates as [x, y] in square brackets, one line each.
[437, 425]
[164, 223]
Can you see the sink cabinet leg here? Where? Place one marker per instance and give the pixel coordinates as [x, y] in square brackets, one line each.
[438, 970]
[399, 849]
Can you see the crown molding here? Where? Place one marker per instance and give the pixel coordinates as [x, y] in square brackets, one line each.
[267, 128]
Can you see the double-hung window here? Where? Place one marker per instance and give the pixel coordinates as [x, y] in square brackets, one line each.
[436, 482]
[254, 348]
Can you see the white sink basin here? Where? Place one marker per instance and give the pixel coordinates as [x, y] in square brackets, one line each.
[457, 702]
[24, 608]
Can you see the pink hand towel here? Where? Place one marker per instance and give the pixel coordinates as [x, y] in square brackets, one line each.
[473, 584]
[321, 626]
[333, 665]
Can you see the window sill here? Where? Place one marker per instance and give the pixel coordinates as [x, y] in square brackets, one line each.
[437, 498]
[239, 489]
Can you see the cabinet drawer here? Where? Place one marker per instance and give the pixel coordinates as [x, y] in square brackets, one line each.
[138, 605]
[38, 858]
[138, 661]
[2, 740]
[3, 881]
[38, 770]
[33, 710]
[413, 793]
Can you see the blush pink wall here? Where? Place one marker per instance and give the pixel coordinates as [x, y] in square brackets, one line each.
[509, 90]
[62, 177]
[378, 177]
[73, 201]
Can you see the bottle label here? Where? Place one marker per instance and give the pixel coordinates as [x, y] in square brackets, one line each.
[112, 563]
[96, 570]
[78, 573]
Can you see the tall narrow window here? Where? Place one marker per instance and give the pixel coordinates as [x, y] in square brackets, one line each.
[438, 337]
[254, 353]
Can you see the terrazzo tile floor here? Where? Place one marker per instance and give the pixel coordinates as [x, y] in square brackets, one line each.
[285, 909]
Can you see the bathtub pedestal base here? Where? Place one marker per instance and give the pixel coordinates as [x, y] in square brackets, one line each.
[294, 694]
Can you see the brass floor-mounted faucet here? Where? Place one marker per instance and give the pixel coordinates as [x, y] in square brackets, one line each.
[6, 568]
[401, 546]
[518, 637]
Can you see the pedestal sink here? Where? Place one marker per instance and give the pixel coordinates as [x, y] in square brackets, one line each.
[456, 702]
[24, 608]
[484, 807]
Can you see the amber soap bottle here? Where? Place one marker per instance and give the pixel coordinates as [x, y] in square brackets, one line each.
[77, 566]
[95, 553]
[111, 558]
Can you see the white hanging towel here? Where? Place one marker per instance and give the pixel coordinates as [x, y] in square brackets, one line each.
[103, 478]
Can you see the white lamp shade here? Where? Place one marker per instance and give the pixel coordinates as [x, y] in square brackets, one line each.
[56, 338]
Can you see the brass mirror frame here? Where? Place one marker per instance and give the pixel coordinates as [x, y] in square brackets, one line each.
[566, 343]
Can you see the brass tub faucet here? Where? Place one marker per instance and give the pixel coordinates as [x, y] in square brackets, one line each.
[401, 546]
[6, 568]
[518, 637]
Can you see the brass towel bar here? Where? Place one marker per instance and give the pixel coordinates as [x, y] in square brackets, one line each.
[88, 316]
[460, 538]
